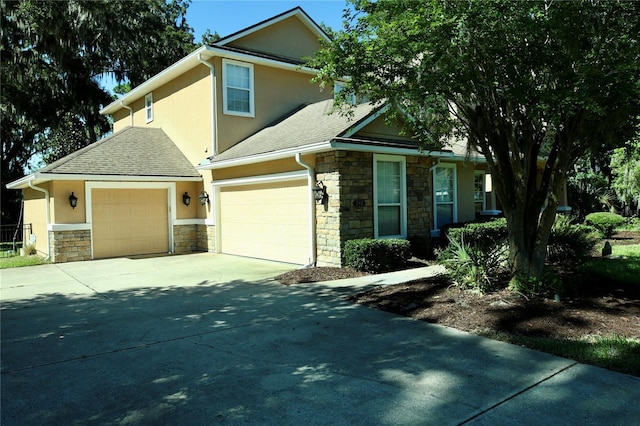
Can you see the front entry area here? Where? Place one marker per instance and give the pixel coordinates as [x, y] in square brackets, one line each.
[129, 222]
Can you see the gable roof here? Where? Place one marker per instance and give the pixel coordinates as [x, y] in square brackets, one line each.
[134, 153]
[309, 124]
[296, 11]
[221, 49]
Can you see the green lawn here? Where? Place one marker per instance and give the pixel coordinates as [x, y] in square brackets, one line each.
[18, 261]
[623, 265]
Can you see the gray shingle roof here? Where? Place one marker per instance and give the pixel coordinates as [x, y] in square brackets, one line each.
[134, 151]
[309, 124]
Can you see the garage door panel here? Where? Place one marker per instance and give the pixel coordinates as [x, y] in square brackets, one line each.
[129, 222]
[269, 221]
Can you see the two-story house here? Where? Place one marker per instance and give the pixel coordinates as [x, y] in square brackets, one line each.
[232, 150]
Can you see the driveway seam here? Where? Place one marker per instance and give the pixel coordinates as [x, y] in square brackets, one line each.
[509, 398]
[82, 283]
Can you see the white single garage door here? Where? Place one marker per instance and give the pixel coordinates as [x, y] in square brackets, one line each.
[266, 221]
[129, 222]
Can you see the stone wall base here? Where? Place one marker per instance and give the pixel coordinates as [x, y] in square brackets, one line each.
[70, 246]
[206, 238]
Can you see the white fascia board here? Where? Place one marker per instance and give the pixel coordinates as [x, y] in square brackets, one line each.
[352, 131]
[191, 61]
[183, 65]
[302, 16]
[38, 178]
[22, 183]
[269, 156]
[252, 180]
[375, 149]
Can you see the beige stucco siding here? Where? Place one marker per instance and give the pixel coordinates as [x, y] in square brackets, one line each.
[277, 93]
[35, 209]
[289, 38]
[62, 211]
[264, 168]
[182, 108]
[195, 209]
[379, 129]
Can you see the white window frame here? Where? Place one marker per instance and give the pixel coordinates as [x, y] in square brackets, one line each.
[251, 90]
[148, 107]
[339, 87]
[436, 225]
[403, 194]
[484, 188]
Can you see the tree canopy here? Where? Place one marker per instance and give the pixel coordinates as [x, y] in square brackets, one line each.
[520, 80]
[54, 54]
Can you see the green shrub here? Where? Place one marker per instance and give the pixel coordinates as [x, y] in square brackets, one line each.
[376, 256]
[477, 254]
[481, 234]
[421, 246]
[605, 222]
[570, 243]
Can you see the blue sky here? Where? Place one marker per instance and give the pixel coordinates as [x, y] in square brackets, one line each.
[227, 17]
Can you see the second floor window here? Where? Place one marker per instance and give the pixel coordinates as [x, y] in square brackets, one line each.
[148, 107]
[237, 80]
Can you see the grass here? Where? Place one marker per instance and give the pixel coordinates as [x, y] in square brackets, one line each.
[19, 261]
[625, 268]
[610, 352]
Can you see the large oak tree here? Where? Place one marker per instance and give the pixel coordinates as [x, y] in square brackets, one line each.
[527, 83]
[54, 54]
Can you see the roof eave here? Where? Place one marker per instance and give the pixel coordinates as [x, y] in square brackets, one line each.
[39, 178]
[189, 62]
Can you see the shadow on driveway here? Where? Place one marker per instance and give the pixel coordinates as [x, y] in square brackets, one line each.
[261, 353]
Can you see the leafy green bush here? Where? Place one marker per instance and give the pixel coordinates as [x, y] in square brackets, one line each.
[376, 256]
[605, 222]
[421, 246]
[570, 243]
[477, 254]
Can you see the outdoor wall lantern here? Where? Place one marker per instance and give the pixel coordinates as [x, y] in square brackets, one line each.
[73, 201]
[186, 199]
[319, 192]
[204, 198]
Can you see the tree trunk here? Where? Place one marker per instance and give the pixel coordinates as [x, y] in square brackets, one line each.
[528, 228]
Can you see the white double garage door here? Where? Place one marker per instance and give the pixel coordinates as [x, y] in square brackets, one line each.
[267, 221]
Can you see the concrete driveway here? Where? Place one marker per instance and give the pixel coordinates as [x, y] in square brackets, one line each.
[211, 339]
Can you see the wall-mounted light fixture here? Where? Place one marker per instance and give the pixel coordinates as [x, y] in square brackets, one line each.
[186, 199]
[204, 198]
[73, 201]
[319, 192]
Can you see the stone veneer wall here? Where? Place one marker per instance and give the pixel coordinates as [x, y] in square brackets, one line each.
[184, 238]
[348, 212]
[206, 238]
[70, 246]
[419, 196]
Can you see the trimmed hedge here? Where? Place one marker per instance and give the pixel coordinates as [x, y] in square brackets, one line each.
[605, 222]
[481, 235]
[376, 256]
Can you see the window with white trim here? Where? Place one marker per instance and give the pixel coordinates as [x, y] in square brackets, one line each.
[148, 107]
[479, 193]
[237, 93]
[444, 195]
[390, 199]
[339, 87]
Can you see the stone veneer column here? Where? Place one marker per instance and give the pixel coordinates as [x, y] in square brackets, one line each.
[70, 246]
[348, 212]
[206, 238]
[419, 196]
[184, 238]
